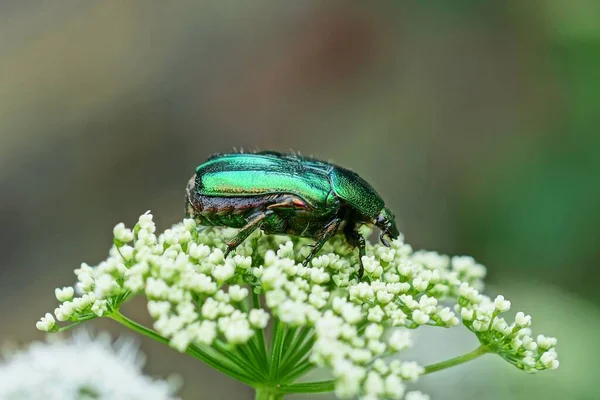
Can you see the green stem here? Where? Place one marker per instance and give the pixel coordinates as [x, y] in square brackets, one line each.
[478, 352]
[305, 344]
[123, 320]
[234, 357]
[222, 365]
[279, 331]
[259, 337]
[328, 386]
[74, 324]
[268, 394]
[308, 387]
[293, 345]
[300, 369]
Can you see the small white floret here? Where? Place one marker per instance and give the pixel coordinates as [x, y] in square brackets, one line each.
[122, 234]
[237, 293]
[416, 395]
[420, 317]
[258, 318]
[46, 323]
[501, 304]
[64, 294]
[400, 340]
[522, 320]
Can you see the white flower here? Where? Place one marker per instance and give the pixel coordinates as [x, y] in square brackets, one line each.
[46, 323]
[64, 294]
[528, 343]
[258, 318]
[158, 308]
[157, 288]
[122, 234]
[238, 293]
[501, 326]
[394, 387]
[481, 326]
[374, 385]
[181, 340]
[419, 284]
[522, 320]
[198, 251]
[400, 340]
[236, 328]
[384, 297]
[223, 272]
[376, 314]
[210, 309]
[416, 396]
[549, 360]
[145, 222]
[65, 311]
[99, 307]
[501, 304]
[373, 331]
[544, 342]
[411, 371]
[204, 332]
[63, 369]
[420, 317]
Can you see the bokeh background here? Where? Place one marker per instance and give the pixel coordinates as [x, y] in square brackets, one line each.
[476, 120]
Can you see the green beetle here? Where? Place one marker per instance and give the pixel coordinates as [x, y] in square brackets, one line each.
[286, 194]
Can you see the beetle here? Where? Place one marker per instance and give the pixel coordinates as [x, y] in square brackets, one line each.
[285, 193]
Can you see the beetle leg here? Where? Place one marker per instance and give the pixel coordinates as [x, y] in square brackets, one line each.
[357, 240]
[250, 227]
[326, 234]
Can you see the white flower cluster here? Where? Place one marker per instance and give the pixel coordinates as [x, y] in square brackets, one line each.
[514, 341]
[80, 368]
[197, 296]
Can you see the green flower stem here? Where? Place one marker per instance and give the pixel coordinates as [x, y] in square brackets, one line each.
[279, 331]
[299, 370]
[238, 358]
[292, 344]
[223, 366]
[74, 324]
[251, 353]
[328, 386]
[308, 387]
[306, 342]
[478, 352]
[123, 320]
[261, 342]
[268, 394]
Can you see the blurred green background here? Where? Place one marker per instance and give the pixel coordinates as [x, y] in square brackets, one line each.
[477, 121]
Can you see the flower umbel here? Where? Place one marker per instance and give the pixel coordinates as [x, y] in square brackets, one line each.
[80, 368]
[217, 309]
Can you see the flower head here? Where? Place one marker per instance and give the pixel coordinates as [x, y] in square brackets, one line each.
[82, 367]
[321, 314]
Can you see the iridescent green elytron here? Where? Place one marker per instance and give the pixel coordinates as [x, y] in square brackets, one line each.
[286, 194]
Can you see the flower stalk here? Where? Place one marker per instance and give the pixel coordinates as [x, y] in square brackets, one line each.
[478, 352]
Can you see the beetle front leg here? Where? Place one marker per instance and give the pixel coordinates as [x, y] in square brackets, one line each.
[357, 240]
[247, 230]
[326, 234]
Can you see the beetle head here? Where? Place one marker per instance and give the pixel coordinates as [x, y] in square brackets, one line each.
[386, 222]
